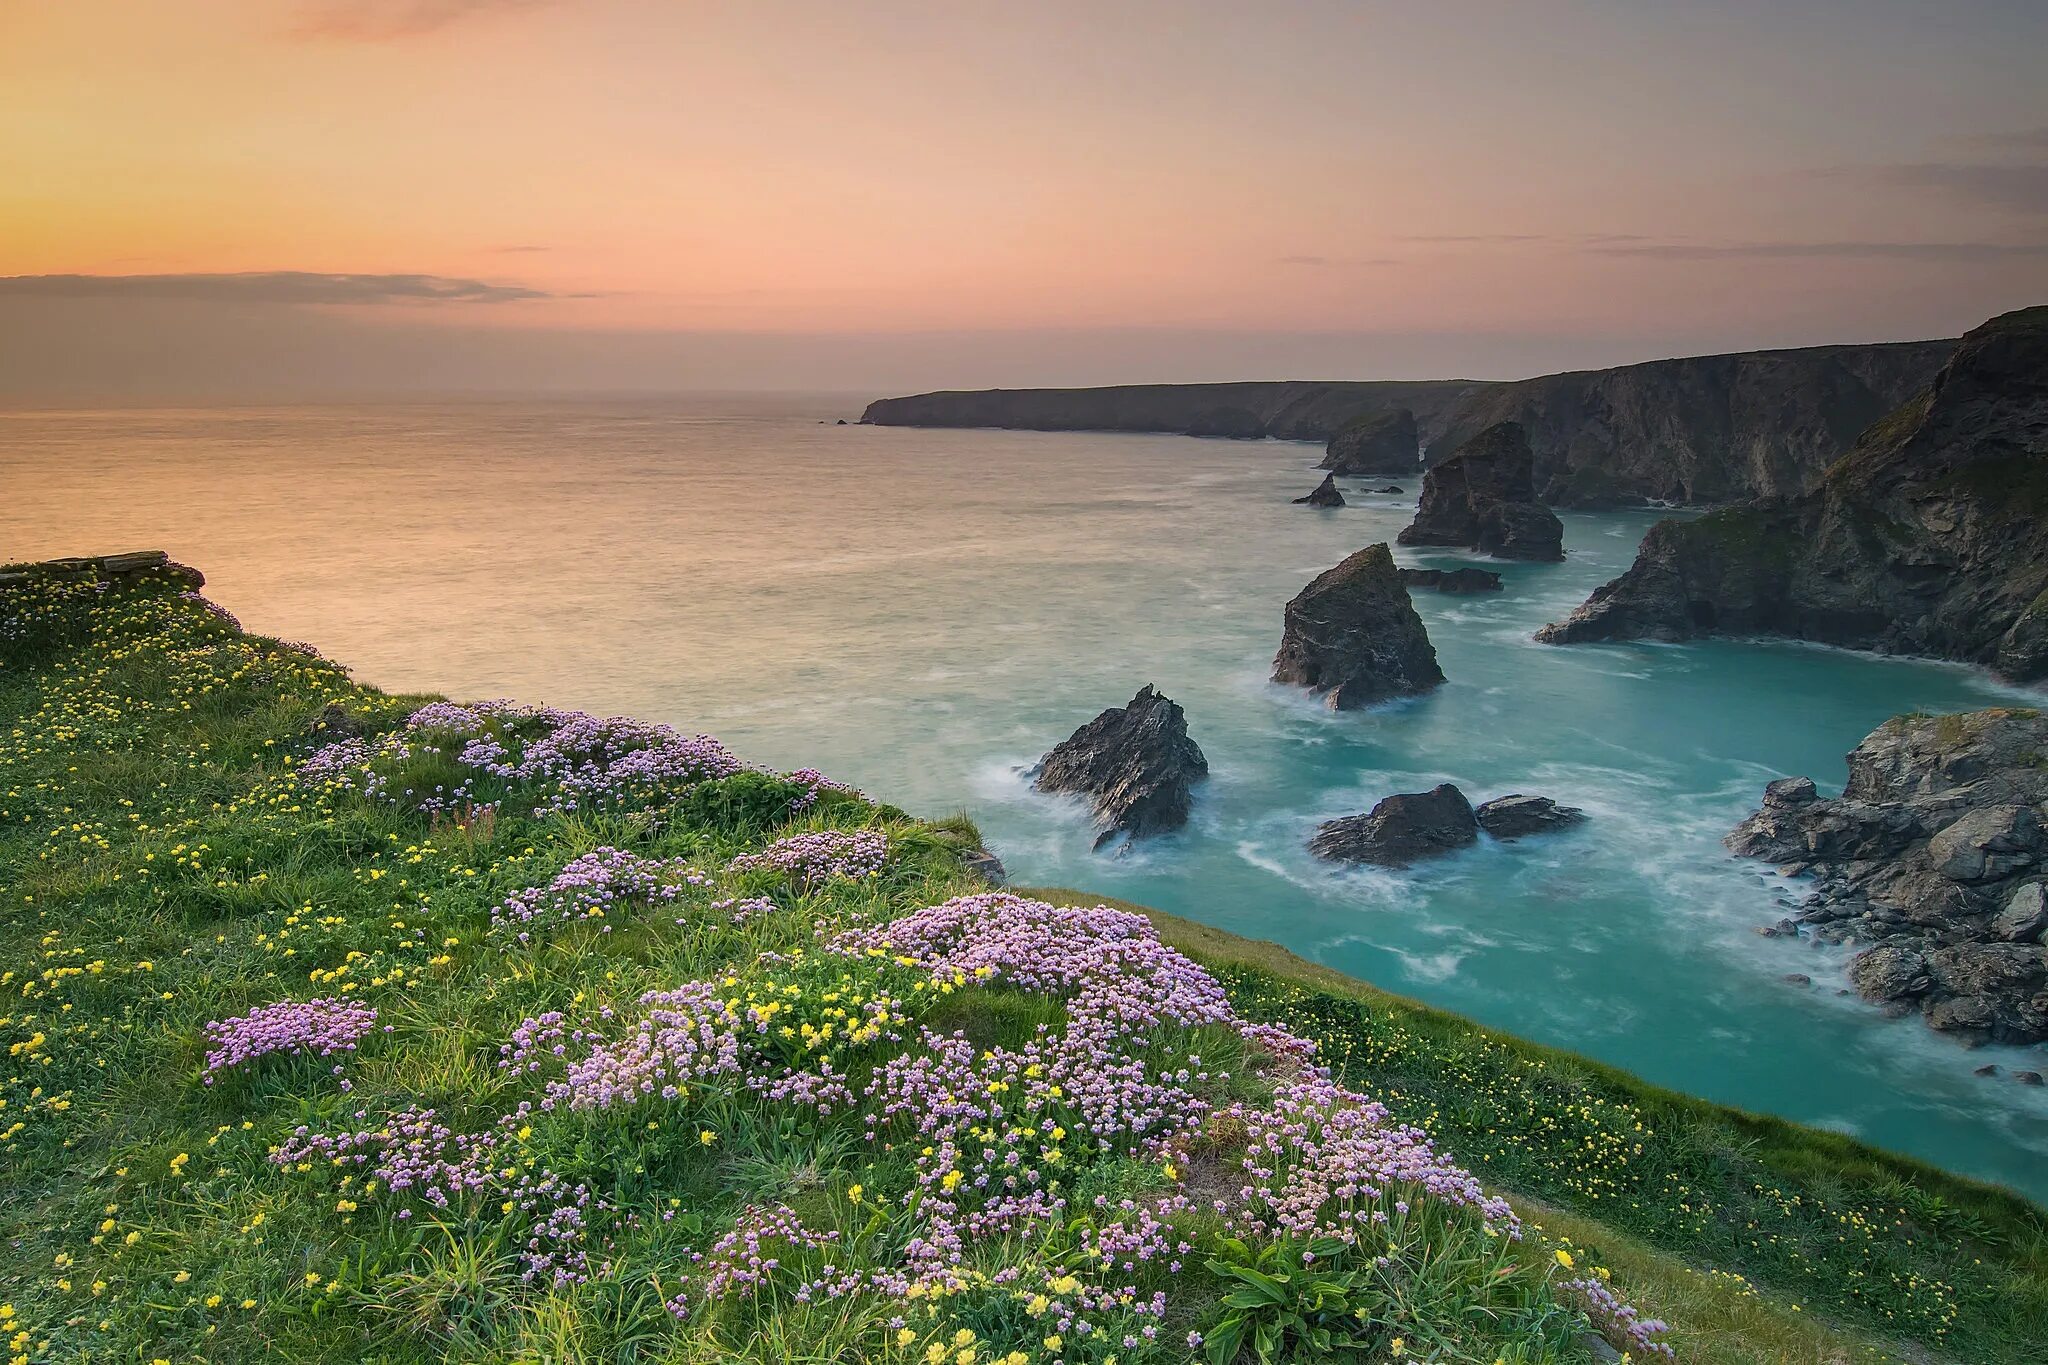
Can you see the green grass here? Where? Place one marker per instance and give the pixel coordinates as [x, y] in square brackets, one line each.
[162, 864]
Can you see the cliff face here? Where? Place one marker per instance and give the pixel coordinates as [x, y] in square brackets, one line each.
[1289, 410]
[1708, 429]
[1378, 445]
[1930, 537]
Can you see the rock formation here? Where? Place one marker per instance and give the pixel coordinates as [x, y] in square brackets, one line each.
[1708, 429]
[1353, 635]
[1935, 854]
[1325, 494]
[1288, 410]
[1930, 537]
[116, 568]
[1511, 817]
[1136, 762]
[1483, 498]
[1452, 580]
[1400, 830]
[1390, 488]
[1376, 445]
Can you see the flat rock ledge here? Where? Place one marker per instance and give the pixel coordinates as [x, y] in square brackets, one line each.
[115, 568]
[1936, 857]
[1511, 817]
[1325, 494]
[1137, 763]
[1353, 635]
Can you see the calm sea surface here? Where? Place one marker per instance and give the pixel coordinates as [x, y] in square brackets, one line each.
[924, 612]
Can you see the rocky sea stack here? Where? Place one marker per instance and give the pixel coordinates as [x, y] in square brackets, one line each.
[1136, 762]
[1516, 815]
[1484, 498]
[1353, 636]
[1325, 494]
[1376, 445]
[1930, 537]
[1936, 854]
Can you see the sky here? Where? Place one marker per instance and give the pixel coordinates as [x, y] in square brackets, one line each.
[256, 198]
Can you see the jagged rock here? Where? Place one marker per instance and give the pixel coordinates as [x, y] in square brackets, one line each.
[2024, 916]
[1929, 537]
[1353, 635]
[1484, 498]
[1511, 817]
[980, 862]
[1452, 580]
[1137, 763]
[1400, 829]
[1933, 852]
[1325, 495]
[1377, 444]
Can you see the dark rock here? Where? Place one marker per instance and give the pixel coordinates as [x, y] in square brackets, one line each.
[1798, 979]
[1934, 852]
[1484, 498]
[1325, 494]
[842, 422]
[1353, 635]
[1136, 761]
[1985, 1071]
[1929, 537]
[980, 862]
[1452, 580]
[1511, 817]
[1390, 488]
[2027, 1077]
[1400, 829]
[1377, 444]
[1705, 429]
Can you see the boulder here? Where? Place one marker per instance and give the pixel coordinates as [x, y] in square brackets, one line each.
[1325, 494]
[1376, 445]
[1511, 817]
[1401, 829]
[1483, 498]
[2025, 915]
[1987, 845]
[1452, 580]
[1353, 635]
[1136, 762]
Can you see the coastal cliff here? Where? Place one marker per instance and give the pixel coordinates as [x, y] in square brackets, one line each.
[1930, 537]
[1288, 410]
[1706, 429]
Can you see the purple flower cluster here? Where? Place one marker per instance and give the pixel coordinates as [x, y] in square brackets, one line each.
[602, 885]
[744, 1260]
[809, 859]
[313, 1028]
[1614, 1318]
[815, 783]
[556, 761]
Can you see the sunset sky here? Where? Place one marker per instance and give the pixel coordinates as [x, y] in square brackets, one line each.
[226, 196]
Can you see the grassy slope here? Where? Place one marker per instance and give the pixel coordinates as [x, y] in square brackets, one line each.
[1904, 1258]
[162, 869]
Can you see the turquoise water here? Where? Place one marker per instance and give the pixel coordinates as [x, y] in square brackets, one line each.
[924, 612]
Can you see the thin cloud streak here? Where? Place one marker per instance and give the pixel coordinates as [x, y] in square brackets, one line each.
[383, 21]
[269, 286]
[1335, 262]
[2014, 187]
[1966, 252]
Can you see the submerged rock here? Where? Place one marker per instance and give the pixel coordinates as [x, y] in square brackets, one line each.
[1390, 488]
[1401, 829]
[1929, 537]
[1325, 495]
[1511, 817]
[1137, 762]
[1484, 498]
[1935, 853]
[1377, 444]
[1353, 635]
[1452, 580]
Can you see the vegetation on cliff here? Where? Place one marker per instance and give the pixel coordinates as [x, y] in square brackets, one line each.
[341, 1026]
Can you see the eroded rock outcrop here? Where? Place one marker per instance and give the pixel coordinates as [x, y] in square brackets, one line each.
[1137, 763]
[1376, 445]
[1353, 635]
[1325, 494]
[1452, 580]
[1400, 830]
[1516, 815]
[1930, 537]
[1936, 854]
[1484, 498]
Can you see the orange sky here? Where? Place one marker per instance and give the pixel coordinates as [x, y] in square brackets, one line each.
[1862, 169]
